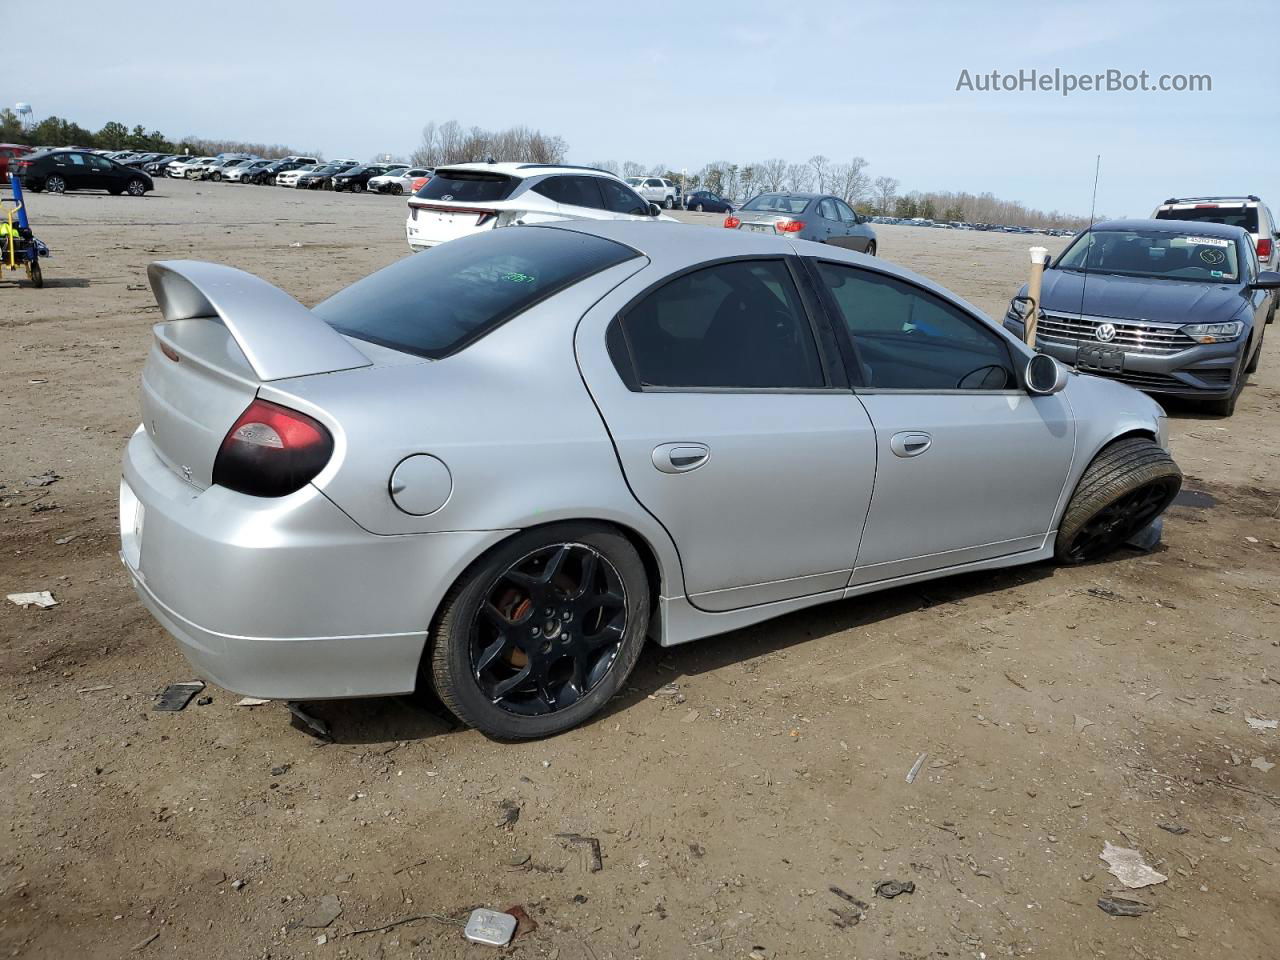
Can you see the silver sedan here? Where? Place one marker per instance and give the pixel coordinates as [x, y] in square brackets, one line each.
[498, 468]
[806, 216]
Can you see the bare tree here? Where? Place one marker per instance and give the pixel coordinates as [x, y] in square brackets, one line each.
[632, 169]
[851, 180]
[884, 189]
[771, 174]
[818, 163]
[610, 165]
[799, 178]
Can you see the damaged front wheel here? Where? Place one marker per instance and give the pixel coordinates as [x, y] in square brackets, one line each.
[1124, 489]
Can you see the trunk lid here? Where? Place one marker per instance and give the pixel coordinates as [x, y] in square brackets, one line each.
[225, 333]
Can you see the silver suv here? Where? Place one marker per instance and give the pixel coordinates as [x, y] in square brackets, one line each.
[1247, 212]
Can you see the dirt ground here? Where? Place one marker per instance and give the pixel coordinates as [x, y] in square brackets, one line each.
[734, 784]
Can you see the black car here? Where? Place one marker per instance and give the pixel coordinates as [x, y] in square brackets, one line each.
[156, 167]
[357, 178]
[706, 200]
[60, 170]
[322, 179]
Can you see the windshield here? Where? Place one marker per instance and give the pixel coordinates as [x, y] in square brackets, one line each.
[1154, 254]
[777, 203]
[635, 181]
[1246, 217]
[435, 305]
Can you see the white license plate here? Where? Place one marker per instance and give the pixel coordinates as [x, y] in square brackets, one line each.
[759, 227]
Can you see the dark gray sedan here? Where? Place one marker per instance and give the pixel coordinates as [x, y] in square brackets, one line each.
[806, 216]
[1169, 307]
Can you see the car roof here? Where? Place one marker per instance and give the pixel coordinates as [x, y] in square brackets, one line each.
[522, 170]
[1202, 227]
[1242, 199]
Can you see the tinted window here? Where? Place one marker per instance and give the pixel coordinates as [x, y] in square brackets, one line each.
[651, 182]
[468, 186]
[738, 324]
[435, 304]
[908, 339]
[1246, 217]
[619, 199]
[776, 203]
[574, 191]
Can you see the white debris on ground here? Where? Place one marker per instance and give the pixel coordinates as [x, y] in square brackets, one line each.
[1128, 867]
[39, 598]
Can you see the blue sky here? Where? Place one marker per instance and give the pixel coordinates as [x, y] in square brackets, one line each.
[686, 83]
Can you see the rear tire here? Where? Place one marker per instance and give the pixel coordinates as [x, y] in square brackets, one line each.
[55, 184]
[1128, 484]
[698, 207]
[668, 202]
[516, 672]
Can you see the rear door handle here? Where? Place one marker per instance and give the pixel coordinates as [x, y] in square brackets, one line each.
[910, 444]
[680, 457]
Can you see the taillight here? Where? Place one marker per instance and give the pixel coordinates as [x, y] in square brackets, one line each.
[23, 164]
[271, 451]
[788, 226]
[732, 223]
[1264, 248]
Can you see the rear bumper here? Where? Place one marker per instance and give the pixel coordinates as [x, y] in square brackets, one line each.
[1205, 372]
[285, 598]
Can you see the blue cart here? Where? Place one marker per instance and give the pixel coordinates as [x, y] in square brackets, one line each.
[18, 246]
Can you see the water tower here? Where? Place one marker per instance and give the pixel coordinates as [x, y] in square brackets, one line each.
[24, 115]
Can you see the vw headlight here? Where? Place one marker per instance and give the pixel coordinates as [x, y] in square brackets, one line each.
[1213, 332]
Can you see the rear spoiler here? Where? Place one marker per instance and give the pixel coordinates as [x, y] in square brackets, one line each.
[279, 336]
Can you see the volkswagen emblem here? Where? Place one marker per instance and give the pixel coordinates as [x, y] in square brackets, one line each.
[1106, 332]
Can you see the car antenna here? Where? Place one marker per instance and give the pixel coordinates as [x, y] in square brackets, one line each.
[1088, 255]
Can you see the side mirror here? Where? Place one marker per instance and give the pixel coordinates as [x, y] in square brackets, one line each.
[655, 210]
[1045, 375]
[1267, 280]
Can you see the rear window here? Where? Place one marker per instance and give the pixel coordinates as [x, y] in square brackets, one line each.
[467, 186]
[1246, 217]
[774, 203]
[434, 304]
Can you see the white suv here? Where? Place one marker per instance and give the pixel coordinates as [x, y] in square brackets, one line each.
[471, 197]
[656, 190]
[1247, 211]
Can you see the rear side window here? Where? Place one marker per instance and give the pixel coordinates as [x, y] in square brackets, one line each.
[572, 191]
[1246, 217]
[468, 186]
[435, 304]
[733, 325]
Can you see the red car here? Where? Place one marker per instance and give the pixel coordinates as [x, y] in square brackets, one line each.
[10, 151]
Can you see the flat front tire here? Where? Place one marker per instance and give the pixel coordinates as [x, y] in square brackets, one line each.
[541, 632]
[1127, 486]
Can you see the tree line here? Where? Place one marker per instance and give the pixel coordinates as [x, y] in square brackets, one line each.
[55, 131]
[451, 142]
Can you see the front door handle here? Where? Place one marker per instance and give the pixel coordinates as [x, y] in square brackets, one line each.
[910, 444]
[680, 457]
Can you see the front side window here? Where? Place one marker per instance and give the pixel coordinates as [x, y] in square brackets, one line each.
[738, 325]
[846, 212]
[906, 338]
[619, 199]
[433, 306]
[828, 210]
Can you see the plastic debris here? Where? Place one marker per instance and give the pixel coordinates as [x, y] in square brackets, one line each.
[39, 598]
[490, 927]
[525, 924]
[309, 723]
[1254, 722]
[915, 768]
[1120, 907]
[251, 702]
[176, 696]
[1128, 867]
[892, 888]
